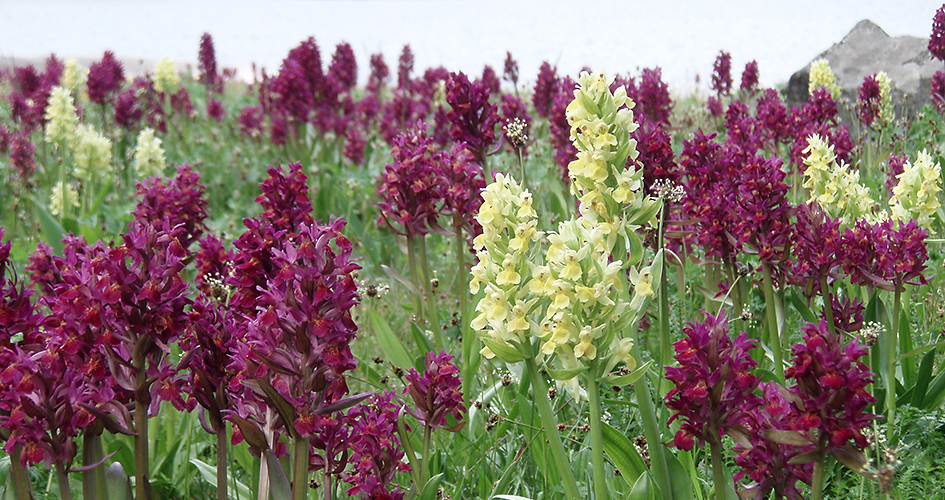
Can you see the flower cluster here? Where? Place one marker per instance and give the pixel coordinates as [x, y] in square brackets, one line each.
[376, 452]
[875, 101]
[178, 199]
[510, 71]
[472, 116]
[412, 188]
[937, 39]
[821, 76]
[546, 87]
[722, 74]
[915, 196]
[818, 249]
[714, 387]
[61, 118]
[833, 185]
[166, 77]
[749, 83]
[436, 393]
[105, 78]
[830, 398]
[148, 155]
[207, 63]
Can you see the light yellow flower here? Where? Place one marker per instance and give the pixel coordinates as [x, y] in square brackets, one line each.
[166, 76]
[73, 77]
[92, 153]
[886, 113]
[62, 198]
[822, 76]
[61, 118]
[915, 195]
[149, 157]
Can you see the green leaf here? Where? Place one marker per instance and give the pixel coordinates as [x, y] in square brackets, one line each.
[390, 343]
[643, 489]
[923, 377]
[279, 488]
[679, 478]
[622, 380]
[423, 341]
[429, 490]
[209, 474]
[802, 308]
[504, 352]
[623, 454]
[636, 248]
[566, 374]
[119, 486]
[52, 231]
[511, 497]
[806, 457]
[917, 351]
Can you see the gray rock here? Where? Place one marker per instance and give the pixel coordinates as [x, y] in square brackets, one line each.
[866, 50]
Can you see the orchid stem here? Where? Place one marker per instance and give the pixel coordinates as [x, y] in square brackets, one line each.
[597, 434]
[550, 426]
[774, 330]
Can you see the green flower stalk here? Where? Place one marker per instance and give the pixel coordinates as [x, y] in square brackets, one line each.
[166, 77]
[916, 194]
[835, 187]
[821, 76]
[149, 157]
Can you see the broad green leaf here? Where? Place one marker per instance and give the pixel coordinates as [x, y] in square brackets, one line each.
[923, 377]
[209, 474]
[622, 380]
[679, 478]
[504, 352]
[423, 340]
[119, 486]
[643, 489]
[429, 490]
[52, 230]
[623, 454]
[566, 374]
[279, 488]
[802, 308]
[390, 343]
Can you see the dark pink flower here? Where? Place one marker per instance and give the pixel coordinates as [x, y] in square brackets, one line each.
[831, 395]
[413, 187]
[714, 389]
[215, 109]
[546, 89]
[207, 64]
[490, 80]
[652, 97]
[722, 74]
[436, 393]
[404, 68]
[379, 74]
[510, 70]
[937, 39]
[376, 453]
[251, 121]
[472, 116]
[869, 101]
[105, 78]
[179, 199]
[343, 70]
[750, 77]
[937, 89]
